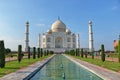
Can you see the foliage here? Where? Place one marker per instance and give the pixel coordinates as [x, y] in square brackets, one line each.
[2, 54]
[92, 54]
[116, 49]
[51, 52]
[34, 52]
[82, 52]
[119, 51]
[38, 52]
[102, 53]
[45, 52]
[77, 52]
[85, 54]
[28, 52]
[19, 53]
[7, 50]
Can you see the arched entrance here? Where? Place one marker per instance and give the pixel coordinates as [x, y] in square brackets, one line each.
[59, 42]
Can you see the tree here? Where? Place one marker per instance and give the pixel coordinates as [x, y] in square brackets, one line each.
[38, 53]
[44, 52]
[2, 54]
[85, 54]
[34, 52]
[41, 51]
[92, 54]
[28, 52]
[51, 52]
[7, 50]
[78, 52]
[102, 53]
[119, 51]
[82, 52]
[48, 52]
[19, 53]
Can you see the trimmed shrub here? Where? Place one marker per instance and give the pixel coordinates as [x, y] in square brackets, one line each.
[48, 52]
[82, 52]
[92, 54]
[119, 51]
[102, 53]
[41, 52]
[45, 52]
[38, 53]
[85, 54]
[28, 52]
[19, 53]
[2, 54]
[34, 52]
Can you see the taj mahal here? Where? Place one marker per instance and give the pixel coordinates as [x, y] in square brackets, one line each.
[59, 38]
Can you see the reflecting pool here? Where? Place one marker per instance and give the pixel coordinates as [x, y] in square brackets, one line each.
[61, 68]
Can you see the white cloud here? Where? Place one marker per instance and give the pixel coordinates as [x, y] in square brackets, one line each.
[114, 8]
[41, 25]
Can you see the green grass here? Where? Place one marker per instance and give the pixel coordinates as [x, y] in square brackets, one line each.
[14, 65]
[14, 54]
[113, 55]
[115, 66]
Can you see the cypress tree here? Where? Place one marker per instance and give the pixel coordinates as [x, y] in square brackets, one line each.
[73, 52]
[19, 53]
[119, 51]
[78, 52]
[41, 51]
[82, 52]
[2, 54]
[47, 52]
[28, 52]
[102, 53]
[38, 52]
[44, 52]
[85, 54]
[34, 52]
[92, 54]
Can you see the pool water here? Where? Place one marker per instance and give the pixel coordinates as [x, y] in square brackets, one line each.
[61, 68]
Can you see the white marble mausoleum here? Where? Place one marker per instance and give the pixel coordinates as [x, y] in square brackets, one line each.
[59, 38]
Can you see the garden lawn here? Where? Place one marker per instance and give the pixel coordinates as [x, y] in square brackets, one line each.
[115, 66]
[113, 55]
[14, 65]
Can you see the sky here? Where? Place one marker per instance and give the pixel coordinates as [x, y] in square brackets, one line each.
[105, 15]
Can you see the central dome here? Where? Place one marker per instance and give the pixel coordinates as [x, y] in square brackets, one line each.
[58, 26]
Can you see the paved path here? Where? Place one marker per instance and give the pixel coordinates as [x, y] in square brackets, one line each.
[22, 73]
[104, 73]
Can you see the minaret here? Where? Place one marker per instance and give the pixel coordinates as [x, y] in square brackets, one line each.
[27, 36]
[39, 40]
[78, 41]
[91, 48]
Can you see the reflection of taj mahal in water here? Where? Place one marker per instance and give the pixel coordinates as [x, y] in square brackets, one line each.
[58, 38]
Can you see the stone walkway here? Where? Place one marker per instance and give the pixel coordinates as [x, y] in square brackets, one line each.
[102, 72]
[22, 73]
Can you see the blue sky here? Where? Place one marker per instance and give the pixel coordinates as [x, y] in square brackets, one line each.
[105, 15]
